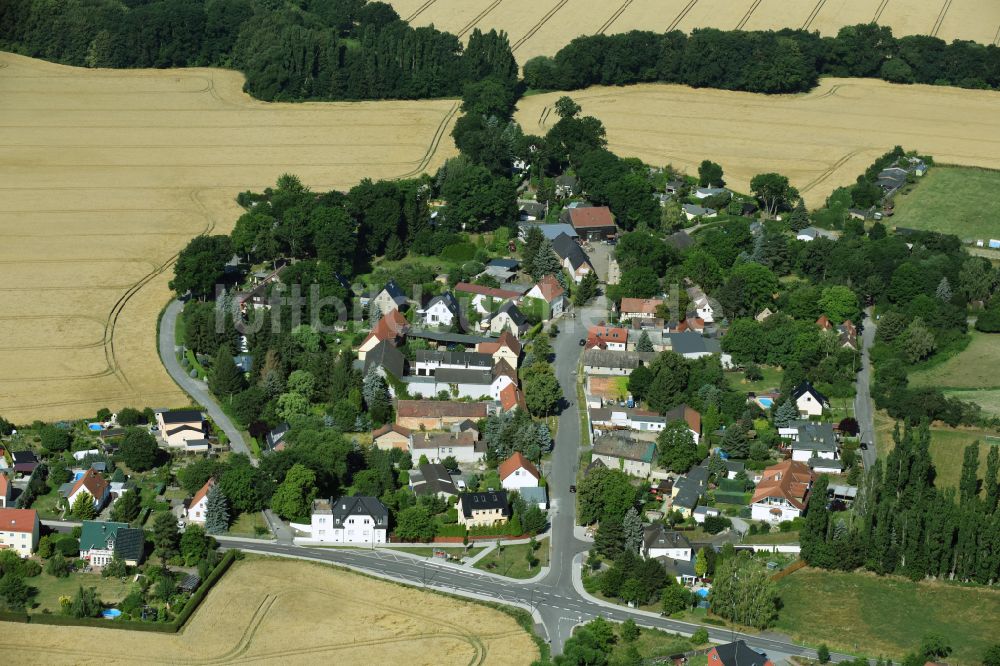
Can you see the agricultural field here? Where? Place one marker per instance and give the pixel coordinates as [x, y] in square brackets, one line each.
[821, 140]
[947, 448]
[969, 375]
[299, 613]
[107, 174]
[863, 613]
[950, 200]
[542, 28]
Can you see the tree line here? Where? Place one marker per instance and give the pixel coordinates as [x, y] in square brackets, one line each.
[783, 61]
[294, 50]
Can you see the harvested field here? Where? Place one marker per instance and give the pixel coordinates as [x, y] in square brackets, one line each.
[108, 173]
[542, 28]
[298, 613]
[821, 140]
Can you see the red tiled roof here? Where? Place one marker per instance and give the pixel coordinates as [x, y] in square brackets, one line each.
[440, 409]
[516, 461]
[594, 217]
[391, 427]
[200, 495]
[391, 326]
[824, 323]
[92, 482]
[18, 520]
[506, 339]
[550, 288]
[640, 305]
[789, 480]
[4, 485]
[470, 288]
[511, 397]
[599, 336]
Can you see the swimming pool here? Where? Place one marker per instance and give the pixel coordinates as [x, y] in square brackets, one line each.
[765, 402]
[111, 613]
[95, 426]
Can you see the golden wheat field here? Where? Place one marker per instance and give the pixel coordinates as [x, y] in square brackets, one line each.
[266, 611]
[821, 140]
[541, 27]
[107, 174]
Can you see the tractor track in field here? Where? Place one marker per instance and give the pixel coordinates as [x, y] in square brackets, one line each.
[614, 17]
[538, 26]
[479, 17]
[749, 13]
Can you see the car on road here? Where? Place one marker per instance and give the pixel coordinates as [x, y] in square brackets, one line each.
[864, 446]
[583, 341]
[572, 489]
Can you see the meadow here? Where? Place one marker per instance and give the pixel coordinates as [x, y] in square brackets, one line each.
[821, 140]
[952, 200]
[865, 614]
[299, 613]
[970, 374]
[542, 28]
[107, 174]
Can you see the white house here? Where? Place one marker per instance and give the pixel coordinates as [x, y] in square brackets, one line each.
[700, 513]
[441, 310]
[781, 492]
[815, 440]
[633, 457]
[638, 308]
[92, 483]
[485, 299]
[809, 401]
[19, 530]
[197, 509]
[658, 541]
[517, 472]
[701, 304]
[353, 519]
[464, 447]
[549, 290]
[508, 318]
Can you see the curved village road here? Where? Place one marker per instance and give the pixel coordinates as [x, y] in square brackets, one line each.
[556, 598]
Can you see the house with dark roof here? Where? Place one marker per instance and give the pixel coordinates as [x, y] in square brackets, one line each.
[101, 541]
[390, 298]
[736, 654]
[658, 541]
[387, 361]
[689, 488]
[483, 509]
[442, 310]
[593, 222]
[619, 451]
[354, 519]
[432, 479]
[25, 462]
[508, 318]
[428, 361]
[177, 428]
[567, 185]
[274, 440]
[574, 259]
[808, 400]
[611, 362]
[549, 231]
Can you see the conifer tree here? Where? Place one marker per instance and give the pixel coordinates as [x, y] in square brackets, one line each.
[217, 511]
[226, 378]
[632, 528]
[644, 344]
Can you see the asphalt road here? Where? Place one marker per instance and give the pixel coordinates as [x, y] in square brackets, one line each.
[864, 411]
[556, 599]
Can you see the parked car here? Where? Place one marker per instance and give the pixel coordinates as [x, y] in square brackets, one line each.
[583, 341]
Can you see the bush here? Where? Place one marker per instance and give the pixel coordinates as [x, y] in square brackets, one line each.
[458, 252]
[715, 524]
[700, 637]
[68, 547]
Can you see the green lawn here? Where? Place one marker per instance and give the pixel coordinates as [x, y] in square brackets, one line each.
[771, 380]
[947, 448]
[987, 399]
[775, 538]
[865, 614]
[46, 504]
[50, 588]
[973, 367]
[246, 524]
[512, 561]
[950, 200]
[654, 644]
[428, 551]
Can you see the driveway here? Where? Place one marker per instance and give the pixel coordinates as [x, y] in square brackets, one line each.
[864, 410]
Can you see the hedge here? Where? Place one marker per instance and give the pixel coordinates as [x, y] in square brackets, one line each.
[162, 627]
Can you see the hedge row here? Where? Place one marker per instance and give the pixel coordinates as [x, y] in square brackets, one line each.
[161, 627]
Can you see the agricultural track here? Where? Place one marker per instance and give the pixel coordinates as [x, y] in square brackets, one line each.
[680, 16]
[996, 40]
[879, 10]
[830, 170]
[940, 19]
[750, 11]
[813, 14]
[535, 28]
[434, 145]
[471, 24]
[614, 17]
[420, 10]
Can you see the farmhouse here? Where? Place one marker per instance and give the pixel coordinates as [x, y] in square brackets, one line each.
[438, 414]
[518, 472]
[781, 493]
[356, 519]
[608, 362]
[483, 509]
[593, 222]
[433, 479]
[809, 401]
[392, 436]
[100, 542]
[638, 308]
[551, 292]
[19, 530]
[633, 457]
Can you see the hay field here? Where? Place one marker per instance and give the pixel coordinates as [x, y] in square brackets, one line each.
[821, 140]
[544, 26]
[264, 611]
[106, 175]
